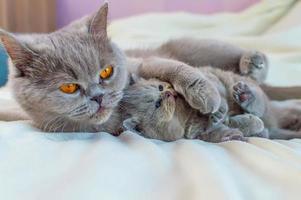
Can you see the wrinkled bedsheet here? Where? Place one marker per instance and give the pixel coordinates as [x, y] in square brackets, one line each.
[36, 165]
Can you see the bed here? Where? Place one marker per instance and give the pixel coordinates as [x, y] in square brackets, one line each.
[36, 165]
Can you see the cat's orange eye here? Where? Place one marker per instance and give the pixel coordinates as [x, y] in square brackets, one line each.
[107, 72]
[69, 88]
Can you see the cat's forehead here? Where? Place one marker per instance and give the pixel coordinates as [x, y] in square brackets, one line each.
[77, 47]
[80, 54]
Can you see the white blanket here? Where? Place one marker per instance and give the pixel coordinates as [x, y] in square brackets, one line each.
[35, 165]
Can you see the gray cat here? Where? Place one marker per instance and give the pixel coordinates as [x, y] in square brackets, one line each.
[154, 109]
[67, 82]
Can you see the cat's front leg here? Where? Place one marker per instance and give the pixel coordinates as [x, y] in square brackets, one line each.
[198, 91]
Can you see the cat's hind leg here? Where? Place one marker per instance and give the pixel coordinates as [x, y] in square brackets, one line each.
[250, 125]
[222, 134]
[255, 65]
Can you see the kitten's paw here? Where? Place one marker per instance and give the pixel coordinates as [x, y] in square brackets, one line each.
[233, 134]
[255, 65]
[243, 95]
[203, 96]
[219, 116]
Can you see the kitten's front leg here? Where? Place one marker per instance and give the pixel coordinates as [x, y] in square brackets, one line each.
[198, 91]
[219, 116]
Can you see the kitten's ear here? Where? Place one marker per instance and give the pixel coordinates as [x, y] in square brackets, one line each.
[98, 23]
[20, 55]
[131, 124]
[134, 78]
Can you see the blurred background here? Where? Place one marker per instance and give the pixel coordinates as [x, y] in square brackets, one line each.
[48, 15]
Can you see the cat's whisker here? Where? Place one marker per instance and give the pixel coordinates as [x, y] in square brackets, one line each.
[50, 126]
[59, 126]
[79, 107]
[54, 123]
[79, 114]
[48, 122]
[64, 125]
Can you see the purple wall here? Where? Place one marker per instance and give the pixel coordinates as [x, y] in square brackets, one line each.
[68, 10]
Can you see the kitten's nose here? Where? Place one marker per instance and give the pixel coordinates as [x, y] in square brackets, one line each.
[98, 99]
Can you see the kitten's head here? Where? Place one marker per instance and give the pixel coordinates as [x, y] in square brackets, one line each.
[64, 80]
[150, 100]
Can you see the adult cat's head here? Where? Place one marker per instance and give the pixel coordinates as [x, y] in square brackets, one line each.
[68, 81]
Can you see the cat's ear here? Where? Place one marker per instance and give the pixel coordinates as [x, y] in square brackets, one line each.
[20, 55]
[98, 23]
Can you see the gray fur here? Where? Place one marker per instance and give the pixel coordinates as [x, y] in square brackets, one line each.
[78, 52]
[221, 80]
[259, 106]
[206, 52]
[174, 119]
[43, 64]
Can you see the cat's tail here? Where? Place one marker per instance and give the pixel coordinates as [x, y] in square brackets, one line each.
[282, 93]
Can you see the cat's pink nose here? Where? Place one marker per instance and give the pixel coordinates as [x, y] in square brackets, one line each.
[98, 99]
[170, 94]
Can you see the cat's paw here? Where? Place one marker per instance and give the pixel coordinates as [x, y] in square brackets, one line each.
[219, 116]
[255, 65]
[233, 134]
[203, 96]
[243, 95]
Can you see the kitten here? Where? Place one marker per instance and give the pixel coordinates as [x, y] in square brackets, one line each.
[154, 109]
[248, 97]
